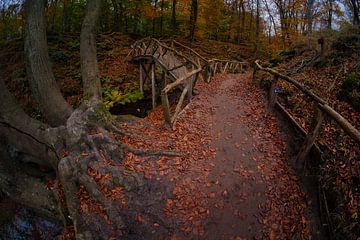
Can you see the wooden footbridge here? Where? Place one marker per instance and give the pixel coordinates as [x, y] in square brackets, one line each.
[180, 68]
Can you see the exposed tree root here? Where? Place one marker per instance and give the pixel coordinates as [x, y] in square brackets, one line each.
[93, 152]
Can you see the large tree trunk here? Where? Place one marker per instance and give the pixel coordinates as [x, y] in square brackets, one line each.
[32, 152]
[193, 18]
[89, 64]
[35, 136]
[41, 78]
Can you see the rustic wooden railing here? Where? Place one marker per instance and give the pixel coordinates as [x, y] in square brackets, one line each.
[221, 66]
[191, 53]
[213, 66]
[182, 71]
[321, 109]
[181, 67]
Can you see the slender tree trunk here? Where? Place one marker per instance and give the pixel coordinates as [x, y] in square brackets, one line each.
[162, 17]
[238, 30]
[243, 18]
[154, 19]
[66, 16]
[257, 23]
[193, 18]
[309, 15]
[53, 15]
[41, 78]
[117, 19]
[89, 64]
[173, 15]
[355, 4]
[251, 20]
[271, 16]
[330, 14]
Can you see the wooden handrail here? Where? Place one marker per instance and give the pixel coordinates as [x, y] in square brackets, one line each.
[191, 50]
[344, 124]
[166, 47]
[300, 86]
[152, 51]
[170, 86]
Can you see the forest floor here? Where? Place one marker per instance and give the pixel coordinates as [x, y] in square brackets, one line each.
[234, 180]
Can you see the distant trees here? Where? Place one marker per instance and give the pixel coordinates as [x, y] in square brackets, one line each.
[237, 21]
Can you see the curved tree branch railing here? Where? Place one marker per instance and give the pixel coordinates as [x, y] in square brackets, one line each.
[221, 66]
[322, 108]
[181, 64]
[182, 70]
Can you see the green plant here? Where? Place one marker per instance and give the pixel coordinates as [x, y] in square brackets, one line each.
[112, 96]
[289, 54]
[105, 79]
[321, 64]
[58, 55]
[74, 45]
[74, 74]
[20, 73]
[350, 90]
[275, 62]
[102, 46]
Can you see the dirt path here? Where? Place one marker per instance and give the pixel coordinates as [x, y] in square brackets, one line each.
[233, 181]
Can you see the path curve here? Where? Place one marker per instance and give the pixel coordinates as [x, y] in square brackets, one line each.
[233, 182]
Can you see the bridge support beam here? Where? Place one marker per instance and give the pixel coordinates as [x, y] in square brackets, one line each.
[141, 78]
[166, 107]
[153, 90]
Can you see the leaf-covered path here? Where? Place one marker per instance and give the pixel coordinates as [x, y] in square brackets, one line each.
[233, 181]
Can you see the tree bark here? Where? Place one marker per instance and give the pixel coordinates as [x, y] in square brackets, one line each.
[66, 16]
[154, 19]
[193, 18]
[271, 16]
[355, 4]
[24, 188]
[36, 137]
[330, 11]
[173, 15]
[116, 16]
[88, 57]
[41, 78]
[257, 25]
[309, 15]
[162, 17]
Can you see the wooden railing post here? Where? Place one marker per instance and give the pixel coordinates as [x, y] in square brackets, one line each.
[153, 85]
[254, 73]
[141, 77]
[166, 107]
[311, 136]
[273, 94]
